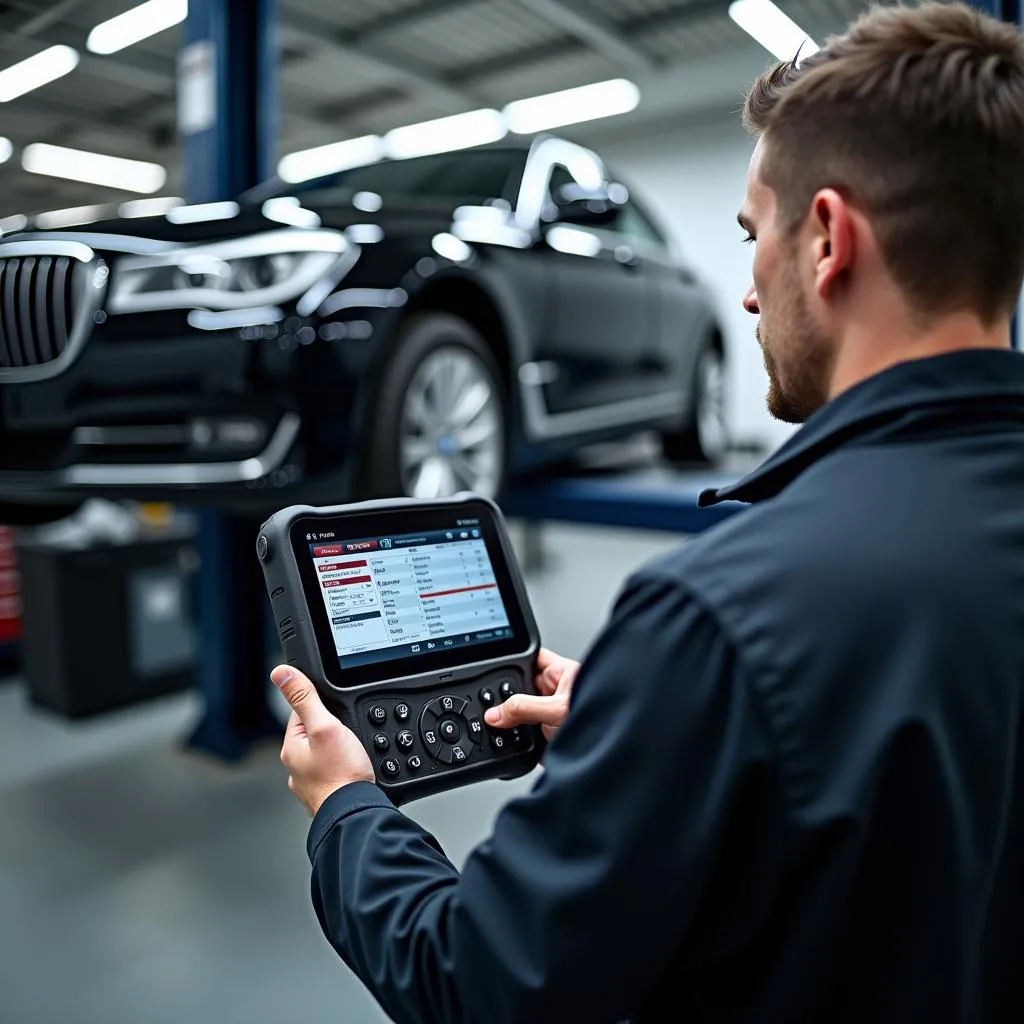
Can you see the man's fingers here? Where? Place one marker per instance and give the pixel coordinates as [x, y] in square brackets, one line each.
[525, 709]
[550, 667]
[302, 696]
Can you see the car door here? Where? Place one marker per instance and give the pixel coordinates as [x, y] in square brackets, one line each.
[602, 326]
[678, 303]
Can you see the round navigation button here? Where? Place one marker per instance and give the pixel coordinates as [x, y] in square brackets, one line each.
[405, 740]
[262, 547]
[390, 767]
[446, 705]
[415, 763]
[381, 743]
[488, 697]
[449, 730]
[377, 715]
[402, 712]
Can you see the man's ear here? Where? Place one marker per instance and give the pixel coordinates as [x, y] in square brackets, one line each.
[833, 241]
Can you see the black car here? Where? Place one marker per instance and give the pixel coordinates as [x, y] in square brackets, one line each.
[418, 327]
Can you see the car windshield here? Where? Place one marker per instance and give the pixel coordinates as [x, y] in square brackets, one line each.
[469, 176]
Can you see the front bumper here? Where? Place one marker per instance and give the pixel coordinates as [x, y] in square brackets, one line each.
[146, 475]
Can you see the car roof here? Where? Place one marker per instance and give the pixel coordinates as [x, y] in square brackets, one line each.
[513, 144]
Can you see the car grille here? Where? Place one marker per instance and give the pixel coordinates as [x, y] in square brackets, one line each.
[48, 301]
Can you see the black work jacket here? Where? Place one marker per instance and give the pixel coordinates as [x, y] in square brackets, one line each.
[791, 784]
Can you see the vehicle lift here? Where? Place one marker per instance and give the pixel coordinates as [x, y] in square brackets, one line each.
[225, 153]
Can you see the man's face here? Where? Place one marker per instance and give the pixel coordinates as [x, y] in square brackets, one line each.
[797, 352]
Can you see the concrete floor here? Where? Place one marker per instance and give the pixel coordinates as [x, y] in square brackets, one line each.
[143, 885]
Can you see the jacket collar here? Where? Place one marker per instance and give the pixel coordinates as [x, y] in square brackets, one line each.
[957, 377]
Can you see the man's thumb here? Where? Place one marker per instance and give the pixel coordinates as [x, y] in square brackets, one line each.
[302, 696]
[525, 709]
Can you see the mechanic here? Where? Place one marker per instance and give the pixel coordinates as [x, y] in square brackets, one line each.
[790, 783]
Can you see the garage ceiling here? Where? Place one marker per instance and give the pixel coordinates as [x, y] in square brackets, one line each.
[351, 67]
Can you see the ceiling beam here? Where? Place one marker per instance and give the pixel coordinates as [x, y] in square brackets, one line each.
[42, 20]
[404, 17]
[413, 76]
[591, 27]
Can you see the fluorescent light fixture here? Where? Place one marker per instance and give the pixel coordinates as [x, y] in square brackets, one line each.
[574, 241]
[149, 207]
[203, 212]
[572, 106]
[17, 222]
[365, 234]
[93, 168]
[6, 150]
[772, 28]
[451, 248]
[137, 24]
[288, 210]
[70, 217]
[445, 134]
[37, 71]
[368, 202]
[338, 156]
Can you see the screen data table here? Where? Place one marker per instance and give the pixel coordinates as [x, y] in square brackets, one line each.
[419, 597]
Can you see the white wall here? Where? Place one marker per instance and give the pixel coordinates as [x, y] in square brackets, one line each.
[693, 177]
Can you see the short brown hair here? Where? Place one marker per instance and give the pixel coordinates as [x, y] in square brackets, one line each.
[917, 115]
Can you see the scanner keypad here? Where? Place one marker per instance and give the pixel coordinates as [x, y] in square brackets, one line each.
[447, 731]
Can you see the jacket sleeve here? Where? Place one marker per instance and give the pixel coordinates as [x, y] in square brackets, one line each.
[649, 841]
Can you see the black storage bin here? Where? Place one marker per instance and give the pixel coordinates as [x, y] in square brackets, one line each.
[107, 626]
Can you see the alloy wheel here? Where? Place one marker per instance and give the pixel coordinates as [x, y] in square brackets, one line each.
[452, 430]
[712, 428]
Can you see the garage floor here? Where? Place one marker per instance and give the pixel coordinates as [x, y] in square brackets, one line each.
[142, 884]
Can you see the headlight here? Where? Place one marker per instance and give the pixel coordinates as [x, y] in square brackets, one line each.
[262, 270]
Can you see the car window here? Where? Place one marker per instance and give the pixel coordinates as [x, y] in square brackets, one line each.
[632, 221]
[473, 176]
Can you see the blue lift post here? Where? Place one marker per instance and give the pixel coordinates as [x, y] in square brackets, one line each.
[230, 147]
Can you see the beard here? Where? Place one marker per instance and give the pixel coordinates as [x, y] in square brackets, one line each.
[797, 356]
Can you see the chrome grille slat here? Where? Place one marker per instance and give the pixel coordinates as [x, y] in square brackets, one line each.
[60, 289]
[44, 344]
[28, 345]
[10, 311]
[50, 294]
[6, 356]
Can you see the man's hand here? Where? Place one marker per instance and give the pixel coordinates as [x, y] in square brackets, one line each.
[320, 754]
[555, 676]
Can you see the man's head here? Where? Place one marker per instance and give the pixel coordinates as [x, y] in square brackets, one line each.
[885, 194]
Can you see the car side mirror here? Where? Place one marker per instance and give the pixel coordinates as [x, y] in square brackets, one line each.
[586, 208]
[594, 213]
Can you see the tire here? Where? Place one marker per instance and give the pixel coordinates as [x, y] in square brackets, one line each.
[704, 440]
[440, 423]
